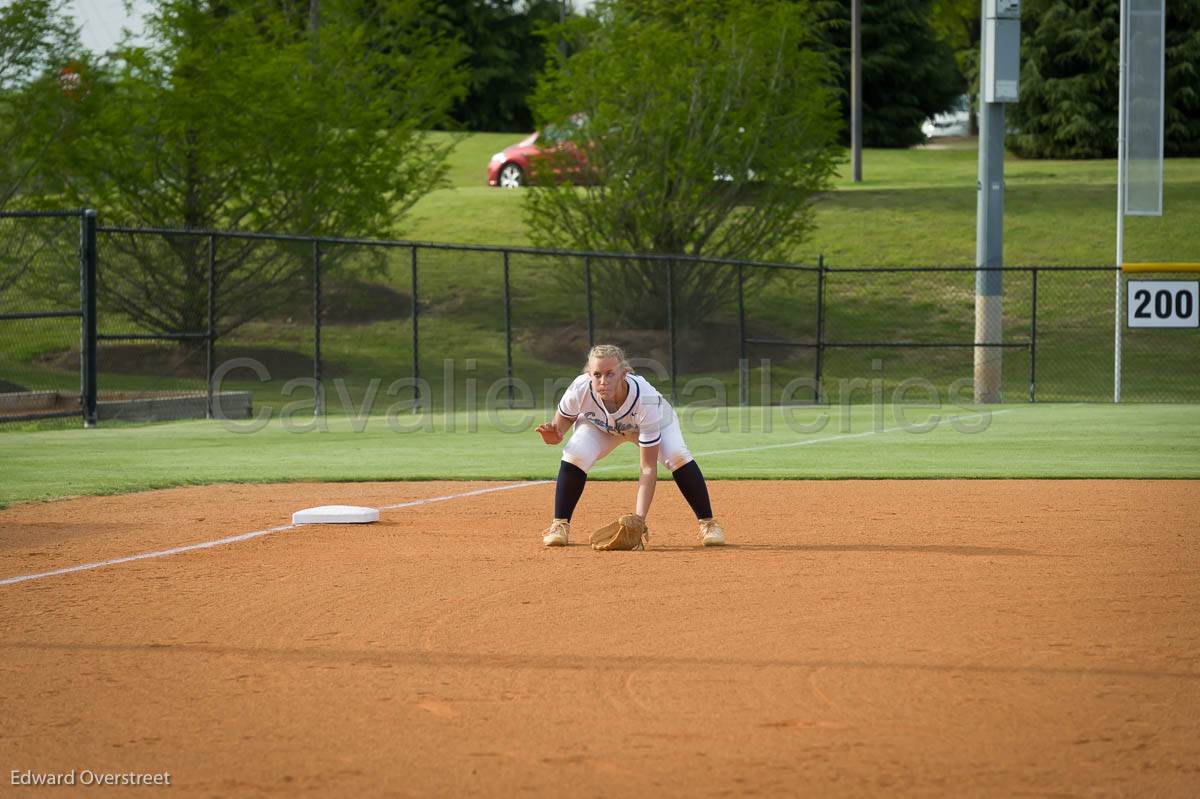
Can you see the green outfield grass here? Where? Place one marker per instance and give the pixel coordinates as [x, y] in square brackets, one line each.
[1052, 441]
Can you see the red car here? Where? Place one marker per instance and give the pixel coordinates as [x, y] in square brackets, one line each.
[550, 150]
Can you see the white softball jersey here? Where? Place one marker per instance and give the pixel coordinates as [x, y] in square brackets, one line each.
[598, 431]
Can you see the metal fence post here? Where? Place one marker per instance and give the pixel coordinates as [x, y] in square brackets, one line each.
[416, 361]
[817, 389]
[1033, 340]
[587, 290]
[743, 361]
[671, 347]
[316, 255]
[508, 369]
[87, 372]
[671, 323]
[209, 339]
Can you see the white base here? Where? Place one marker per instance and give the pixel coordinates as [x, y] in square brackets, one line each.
[335, 514]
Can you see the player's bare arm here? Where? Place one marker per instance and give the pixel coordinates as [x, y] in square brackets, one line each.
[553, 432]
[647, 480]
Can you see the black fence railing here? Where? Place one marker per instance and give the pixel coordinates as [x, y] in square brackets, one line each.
[315, 325]
[47, 287]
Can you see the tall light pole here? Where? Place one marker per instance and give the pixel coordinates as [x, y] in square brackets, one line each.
[1000, 57]
[562, 19]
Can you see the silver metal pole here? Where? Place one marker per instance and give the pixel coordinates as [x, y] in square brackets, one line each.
[989, 235]
[1120, 208]
[989, 254]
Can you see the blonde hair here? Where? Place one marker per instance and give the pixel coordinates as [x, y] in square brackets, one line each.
[607, 351]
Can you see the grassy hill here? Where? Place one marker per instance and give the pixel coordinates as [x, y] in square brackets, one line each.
[914, 207]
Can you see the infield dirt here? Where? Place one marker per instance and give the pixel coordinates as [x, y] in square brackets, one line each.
[857, 638]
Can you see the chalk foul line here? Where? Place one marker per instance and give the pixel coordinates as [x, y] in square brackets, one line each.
[234, 539]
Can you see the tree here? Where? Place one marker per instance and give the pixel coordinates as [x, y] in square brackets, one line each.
[1070, 79]
[39, 54]
[237, 117]
[707, 127]
[504, 57]
[42, 92]
[956, 22]
[909, 72]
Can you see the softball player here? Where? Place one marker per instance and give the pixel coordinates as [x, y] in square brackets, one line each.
[608, 404]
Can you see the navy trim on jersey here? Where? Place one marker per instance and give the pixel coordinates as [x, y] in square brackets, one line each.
[636, 397]
[567, 415]
[650, 443]
[598, 402]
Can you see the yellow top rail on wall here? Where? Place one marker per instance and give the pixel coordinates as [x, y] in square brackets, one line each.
[1161, 267]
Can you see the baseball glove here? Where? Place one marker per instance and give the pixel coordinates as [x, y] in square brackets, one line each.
[627, 532]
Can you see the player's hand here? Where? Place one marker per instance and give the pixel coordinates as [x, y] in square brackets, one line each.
[549, 433]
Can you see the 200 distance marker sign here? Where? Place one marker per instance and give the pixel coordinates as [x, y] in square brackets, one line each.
[1163, 303]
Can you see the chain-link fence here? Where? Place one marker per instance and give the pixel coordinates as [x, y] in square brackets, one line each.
[194, 323]
[885, 329]
[41, 309]
[152, 329]
[1160, 362]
